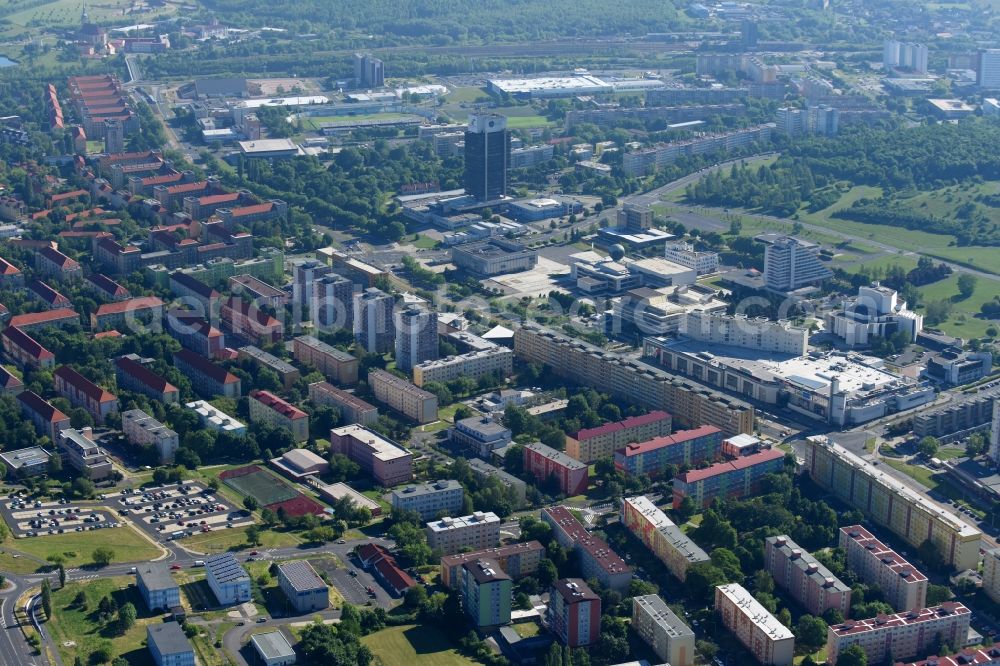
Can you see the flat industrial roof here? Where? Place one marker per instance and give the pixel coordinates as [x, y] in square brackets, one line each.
[272, 645]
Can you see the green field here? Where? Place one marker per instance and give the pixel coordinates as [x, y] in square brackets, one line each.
[314, 122]
[77, 547]
[414, 646]
[220, 541]
[470, 94]
[266, 488]
[77, 632]
[934, 245]
[67, 13]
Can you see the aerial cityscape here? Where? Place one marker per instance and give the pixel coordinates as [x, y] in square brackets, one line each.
[416, 333]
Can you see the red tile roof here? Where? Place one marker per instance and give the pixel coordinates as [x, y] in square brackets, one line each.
[243, 211]
[68, 195]
[764, 456]
[184, 188]
[212, 199]
[47, 317]
[131, 305]
[59, 259]
[36, 404]
[206, 367]
[83, 385]
[107, 334]
[193, 284]
[9, 380]
[48, 294]
[986, 656]
[631, 422]
[27, 343]
[107, 285]
[678, 437]
[384, 563]
[283, 407]
[7, 268]
[163, 179]
[144, 375]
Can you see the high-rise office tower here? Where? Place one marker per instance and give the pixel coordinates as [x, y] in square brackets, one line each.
[369, 72]
[989, 69]
[748, 33]
[373, 323]
[790, 263]
[333, 303]
[487, 156]
[416, 337]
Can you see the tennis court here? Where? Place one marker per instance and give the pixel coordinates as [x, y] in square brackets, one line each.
[255, 482]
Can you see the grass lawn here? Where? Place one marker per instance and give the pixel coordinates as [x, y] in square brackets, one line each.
[220, 541]
[81, 630]
[16, 565]
[129, 546]
[526, 122]
[920, 474]
[527, 629]
[934, 245]
[949, 452]
[415, 646]
[963, 321]
[424, 242]
[469, 94]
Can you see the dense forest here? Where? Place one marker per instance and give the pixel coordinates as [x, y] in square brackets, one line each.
[456, 21]
[901, 161]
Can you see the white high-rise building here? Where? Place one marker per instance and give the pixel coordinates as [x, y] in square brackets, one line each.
[890, 53]
[373, 324]
[989, 69]
[416, 337]
[791, 263]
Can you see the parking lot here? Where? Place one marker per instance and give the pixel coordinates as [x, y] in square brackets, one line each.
[354, 587]
[27, 519]
[174, 511]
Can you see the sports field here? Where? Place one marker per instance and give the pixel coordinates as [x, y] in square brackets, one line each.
[255, 482]
[270, 491]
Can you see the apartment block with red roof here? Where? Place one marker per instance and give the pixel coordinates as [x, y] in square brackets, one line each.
[105, 288]
[145, 312]
[10, 275]
[48, 420]
[119, 259]
[47, 296]
[171, 195]
[902, 584]
[245, 320]
[143, 185]
[591, 444]
[975, 656]
[684, 447]
[24, 351]
[544, 463]
[596, 558]
[208, 379]
[133, 375]
[194, 291]
[35, 320]
[81, 392]
[904, 635]
[269, 409]
[196, 333]
[53, 263]
[258, 292]
[201, 208]
[727, 480]
[247, 215]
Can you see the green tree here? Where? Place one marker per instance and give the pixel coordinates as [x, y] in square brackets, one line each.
[62, 576]
[126, 617]
[253, 535]
[853, 656]
[47, 598]
[251, 503]
[810, 632]
[103, 556]
[928, 446]
[966, 285]
[936, 594]
[415, 596]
